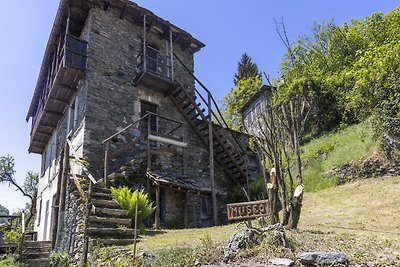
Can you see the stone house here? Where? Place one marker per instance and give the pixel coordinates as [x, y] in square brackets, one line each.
[116, 103]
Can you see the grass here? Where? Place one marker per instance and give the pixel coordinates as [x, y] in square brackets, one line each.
[369, 206]
[360, 219]
[186, 237]
[349, 144]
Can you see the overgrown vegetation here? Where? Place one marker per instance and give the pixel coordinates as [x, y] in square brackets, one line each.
[351, 72]
[346, 145]
[127, 199]
[366, 233]
[61, 259]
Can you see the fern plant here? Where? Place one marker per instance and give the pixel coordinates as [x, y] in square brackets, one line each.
[126, 199]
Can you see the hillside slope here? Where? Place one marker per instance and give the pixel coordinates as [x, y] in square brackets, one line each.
[361, 219]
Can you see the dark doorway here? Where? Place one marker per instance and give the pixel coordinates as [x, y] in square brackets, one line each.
[146, 107]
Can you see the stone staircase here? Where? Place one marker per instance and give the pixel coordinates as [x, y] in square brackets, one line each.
[227, 152]
[35, 253]
[108, 223]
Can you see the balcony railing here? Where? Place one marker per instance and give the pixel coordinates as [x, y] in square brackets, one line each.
[154, 71]
[66, 68]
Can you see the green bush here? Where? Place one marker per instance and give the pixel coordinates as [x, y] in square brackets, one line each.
[127, 200]
[61, 259]
[13, 236]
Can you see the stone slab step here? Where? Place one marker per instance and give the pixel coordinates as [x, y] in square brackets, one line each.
[101, 195]
[28, 255]
[37, 244]
[112, 241]
[105, 203]
[109, 220]
[126, 232]
[37, 262]
[109, 212]
[99, 188]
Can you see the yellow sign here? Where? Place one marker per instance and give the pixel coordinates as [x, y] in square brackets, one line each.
[248, 210]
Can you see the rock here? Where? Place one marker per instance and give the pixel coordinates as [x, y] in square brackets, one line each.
[238, 241]
[281, 262]
[323, 258]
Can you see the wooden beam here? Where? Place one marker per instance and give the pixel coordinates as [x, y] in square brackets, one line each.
[39, 142]
[43, 133]
[48, 125]
[60, 101]
[151, 25]
[53, 113]
[177, 38]
[66, 88]
[157, 215]
[124, 11]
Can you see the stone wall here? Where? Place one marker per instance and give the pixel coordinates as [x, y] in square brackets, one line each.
[70, 237]
[113, 102]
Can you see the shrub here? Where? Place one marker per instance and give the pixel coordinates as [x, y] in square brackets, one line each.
[61, 259]
[127, 200]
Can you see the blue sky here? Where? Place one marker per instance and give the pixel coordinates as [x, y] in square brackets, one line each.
[228, 28]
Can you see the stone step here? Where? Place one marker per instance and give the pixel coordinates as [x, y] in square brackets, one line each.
[109, 212]
[105, 203]
[109, 220]
[101, 195]
[36, 262]
[37, 244]
[112, 241]
[125, 232]
[99, 188]
[35, 254]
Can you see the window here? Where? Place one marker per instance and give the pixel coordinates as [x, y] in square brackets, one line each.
[205, 208]
[72, 117]
[39, 214]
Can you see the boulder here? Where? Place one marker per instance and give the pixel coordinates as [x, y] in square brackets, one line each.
[281, 262]
[322, 258]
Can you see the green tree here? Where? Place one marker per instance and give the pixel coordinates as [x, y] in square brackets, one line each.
[247, 80]
[246, 69]
[235, 99]
[28, 189]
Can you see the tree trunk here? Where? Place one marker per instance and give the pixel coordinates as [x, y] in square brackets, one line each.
[273, 197]
[295, 207]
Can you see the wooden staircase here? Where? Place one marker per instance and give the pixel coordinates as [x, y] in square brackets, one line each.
[108, 223]
[227, 152]
[35, 253]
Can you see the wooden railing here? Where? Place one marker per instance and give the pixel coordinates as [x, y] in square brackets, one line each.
[70, 53]
[147, 118]
[214, 112]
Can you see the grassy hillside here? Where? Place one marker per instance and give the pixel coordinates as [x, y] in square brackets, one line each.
[360, 219]
[349, 144]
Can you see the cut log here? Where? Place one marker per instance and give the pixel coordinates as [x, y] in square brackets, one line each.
[295, 207]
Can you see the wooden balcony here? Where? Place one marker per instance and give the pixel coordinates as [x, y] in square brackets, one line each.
[154, 72]
[65, 69]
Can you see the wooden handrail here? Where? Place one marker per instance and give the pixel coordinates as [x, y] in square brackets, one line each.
[223, 124]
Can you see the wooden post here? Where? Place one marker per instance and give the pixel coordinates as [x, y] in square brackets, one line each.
[66, 34]
[148, 167]
[23, 222]
[63, 189]
[186, 209]
[157, 215]
[106, 181]
[144, 43]
[57, 202]
[211, 147]
[136, 225]
[171, 53]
